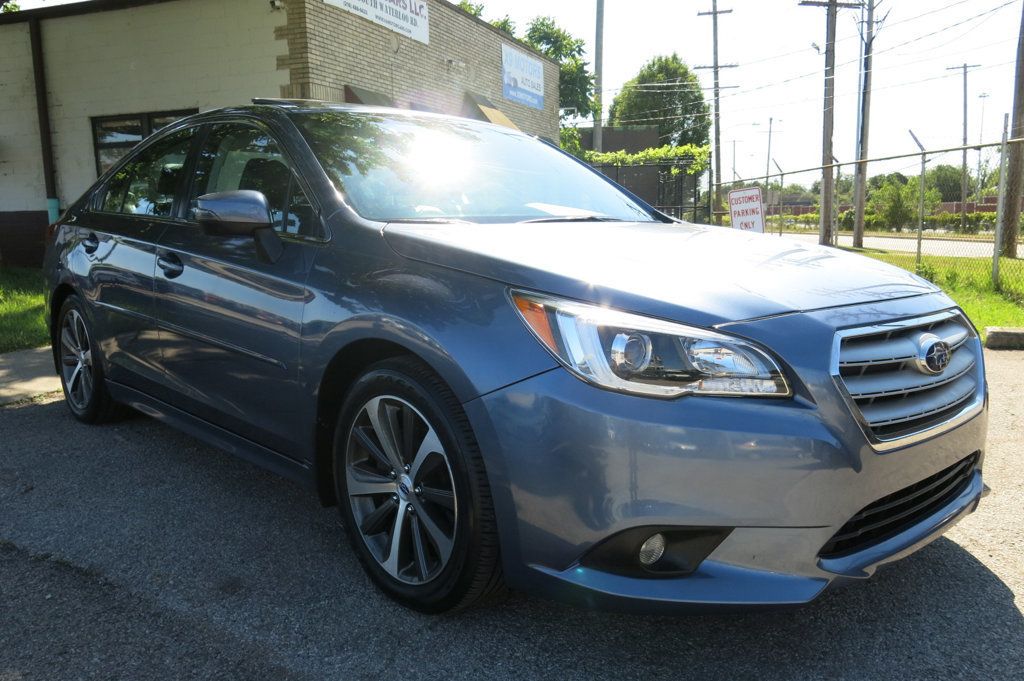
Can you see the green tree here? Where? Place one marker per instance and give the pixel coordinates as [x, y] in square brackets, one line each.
[896, 203]
[569, 140]
[665, 93]
[946, 179]
[876, 181]
[575, 82]
[471, 7]
[505, 24]
[9, 6]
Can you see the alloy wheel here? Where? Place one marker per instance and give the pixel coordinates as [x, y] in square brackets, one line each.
[401, 490]
[76, 359]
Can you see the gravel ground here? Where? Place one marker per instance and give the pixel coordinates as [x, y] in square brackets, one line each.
[132, 551]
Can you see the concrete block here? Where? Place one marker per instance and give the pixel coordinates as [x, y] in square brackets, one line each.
[1004, 338]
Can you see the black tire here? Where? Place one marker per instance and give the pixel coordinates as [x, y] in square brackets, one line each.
[96, 405]
[472, 571]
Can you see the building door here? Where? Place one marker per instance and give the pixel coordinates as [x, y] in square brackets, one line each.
[229, 319]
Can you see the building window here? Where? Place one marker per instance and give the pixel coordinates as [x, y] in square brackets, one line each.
[114, 136]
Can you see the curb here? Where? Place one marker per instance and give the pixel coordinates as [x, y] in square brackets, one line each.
[1004, 338]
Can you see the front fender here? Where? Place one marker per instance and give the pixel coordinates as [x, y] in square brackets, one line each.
[462, 325]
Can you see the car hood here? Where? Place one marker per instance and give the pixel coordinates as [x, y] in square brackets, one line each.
[694, 273]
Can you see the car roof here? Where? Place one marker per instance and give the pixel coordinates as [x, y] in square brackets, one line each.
[303, 106]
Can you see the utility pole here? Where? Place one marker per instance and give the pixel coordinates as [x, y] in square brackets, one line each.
[963, 168]
[860, 173]
[825, 226]
[920, 196]
[1015, 156]
[1001, 207]
[782, 184]
[981, 140]
[717, 109]
[598, 59]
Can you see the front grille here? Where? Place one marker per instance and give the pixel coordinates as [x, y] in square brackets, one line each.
[900, 510]
[878, 367]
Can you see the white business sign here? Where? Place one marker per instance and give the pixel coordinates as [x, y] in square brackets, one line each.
[746, 209]
[522, 77]
[408, 17]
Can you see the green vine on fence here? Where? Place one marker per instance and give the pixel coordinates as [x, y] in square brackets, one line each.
[689, 158]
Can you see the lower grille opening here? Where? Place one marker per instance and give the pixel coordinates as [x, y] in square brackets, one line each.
[900, 510]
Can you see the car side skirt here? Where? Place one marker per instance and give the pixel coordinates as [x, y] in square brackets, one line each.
[214, 435]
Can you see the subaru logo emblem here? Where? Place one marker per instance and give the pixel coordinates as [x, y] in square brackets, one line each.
[404, 487]
[933, 354]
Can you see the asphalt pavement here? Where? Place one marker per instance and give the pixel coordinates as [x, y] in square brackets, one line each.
[131, 551]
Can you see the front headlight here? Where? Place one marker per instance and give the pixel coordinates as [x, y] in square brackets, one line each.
[645, 356]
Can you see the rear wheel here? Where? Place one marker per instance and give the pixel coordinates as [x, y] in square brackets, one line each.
[81, 375]
[413, 491]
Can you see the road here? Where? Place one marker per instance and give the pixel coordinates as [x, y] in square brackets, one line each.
[131, 551]
[963, 248]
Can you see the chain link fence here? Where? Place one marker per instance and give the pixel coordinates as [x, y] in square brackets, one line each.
[955, 243]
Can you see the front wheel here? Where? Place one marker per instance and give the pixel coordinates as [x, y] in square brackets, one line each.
[413, 491]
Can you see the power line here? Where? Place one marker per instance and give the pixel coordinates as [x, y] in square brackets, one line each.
[987, 14]
[889, 49]
[839, 40]
[838, 95]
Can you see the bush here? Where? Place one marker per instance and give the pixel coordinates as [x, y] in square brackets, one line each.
[569, 140]
[927, 271]
[874, 223]
[976, 222]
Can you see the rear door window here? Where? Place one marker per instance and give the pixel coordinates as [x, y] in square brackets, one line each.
[147, 183]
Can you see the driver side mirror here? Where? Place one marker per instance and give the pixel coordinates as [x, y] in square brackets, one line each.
[234, 213]
[243, 212]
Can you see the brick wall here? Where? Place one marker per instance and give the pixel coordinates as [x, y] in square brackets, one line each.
[329, 48]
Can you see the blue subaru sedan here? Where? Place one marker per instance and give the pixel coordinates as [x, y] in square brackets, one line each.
[508, 372]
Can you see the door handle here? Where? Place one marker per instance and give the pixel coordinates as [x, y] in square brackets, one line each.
[90, 242]
[170, 264]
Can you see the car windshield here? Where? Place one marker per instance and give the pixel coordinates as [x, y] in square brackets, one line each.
[422, 168]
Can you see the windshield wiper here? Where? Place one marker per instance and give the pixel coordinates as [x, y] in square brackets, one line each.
[576, 218]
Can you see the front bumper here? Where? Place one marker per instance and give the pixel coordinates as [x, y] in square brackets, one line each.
[571, 465]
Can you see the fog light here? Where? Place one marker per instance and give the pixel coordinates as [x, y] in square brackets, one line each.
[652, 549]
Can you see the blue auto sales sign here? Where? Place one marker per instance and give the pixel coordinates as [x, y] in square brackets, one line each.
[522, 77]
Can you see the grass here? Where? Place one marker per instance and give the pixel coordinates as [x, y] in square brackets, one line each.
[968, 281]
[21, 309]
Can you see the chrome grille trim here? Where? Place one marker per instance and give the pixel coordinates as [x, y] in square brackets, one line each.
[957, 368]
[908, 349]
[894, 403]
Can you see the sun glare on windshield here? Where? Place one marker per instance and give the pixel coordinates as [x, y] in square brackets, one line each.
[437, 160]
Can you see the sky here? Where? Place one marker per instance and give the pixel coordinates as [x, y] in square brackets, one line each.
[780, 72]
[781, 75]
